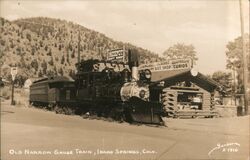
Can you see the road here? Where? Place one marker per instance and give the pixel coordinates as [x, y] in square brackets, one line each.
[35, 134]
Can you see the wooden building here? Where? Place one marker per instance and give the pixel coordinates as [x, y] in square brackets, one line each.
[186, 92]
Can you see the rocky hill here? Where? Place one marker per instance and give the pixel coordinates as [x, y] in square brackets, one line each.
[45, 46]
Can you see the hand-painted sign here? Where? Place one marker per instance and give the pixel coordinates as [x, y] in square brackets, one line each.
[117, 55]
[171, 64]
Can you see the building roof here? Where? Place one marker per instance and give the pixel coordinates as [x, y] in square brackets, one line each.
[156, 76]
[171, 77]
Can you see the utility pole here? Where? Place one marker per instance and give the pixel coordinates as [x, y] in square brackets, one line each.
[244, 56]
[79, 45]
[12, 93]
[13, 72]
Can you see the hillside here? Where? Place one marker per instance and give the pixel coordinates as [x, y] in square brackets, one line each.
[46, 46]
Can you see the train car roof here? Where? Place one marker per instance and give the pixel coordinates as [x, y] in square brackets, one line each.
[54, 79]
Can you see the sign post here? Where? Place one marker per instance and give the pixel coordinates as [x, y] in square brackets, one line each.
[13, 72]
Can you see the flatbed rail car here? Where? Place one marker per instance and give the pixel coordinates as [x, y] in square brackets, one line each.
[53, 92]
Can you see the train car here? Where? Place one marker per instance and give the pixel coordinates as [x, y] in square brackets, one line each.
[53, 92]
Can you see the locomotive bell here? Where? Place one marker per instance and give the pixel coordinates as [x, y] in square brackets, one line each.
[133, 62]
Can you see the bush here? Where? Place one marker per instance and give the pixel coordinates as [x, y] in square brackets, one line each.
[6, 92]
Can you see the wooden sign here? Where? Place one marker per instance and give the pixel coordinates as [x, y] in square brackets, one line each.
[171, 64]
[117, 55]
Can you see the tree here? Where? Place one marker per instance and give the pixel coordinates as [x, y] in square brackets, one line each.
[46, 47]
[20, 79]
[62, 60]
[180, 50]
[50, 73]
[223, 78]
[234, 58]
[60, 71]
[40, 74]
[72, 74]
[67, 57]
[33, 51]
[44, 67]
[51, 62]
[49, 53]
[28, 36]
[34, 64]
[73, 54]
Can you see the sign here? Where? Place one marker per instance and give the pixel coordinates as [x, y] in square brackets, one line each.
[13, 72]
[117, 55]
[171, 64]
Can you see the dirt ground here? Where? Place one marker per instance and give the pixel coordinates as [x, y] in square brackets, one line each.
[35, 134]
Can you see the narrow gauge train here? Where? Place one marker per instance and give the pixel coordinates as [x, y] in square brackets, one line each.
[106, 89]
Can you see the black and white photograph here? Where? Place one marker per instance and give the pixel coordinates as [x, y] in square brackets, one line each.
[124, 80]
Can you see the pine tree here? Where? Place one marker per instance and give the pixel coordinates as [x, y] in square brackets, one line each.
[51, 62]
[67, 57]
[49, 53]
[44, 67]
[60, 71]
[40, 74]
[73, 54]
[62, 60]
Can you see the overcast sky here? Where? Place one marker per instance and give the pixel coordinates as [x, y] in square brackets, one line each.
[151, 24]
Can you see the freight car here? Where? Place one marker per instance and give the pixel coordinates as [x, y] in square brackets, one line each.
[103, 89]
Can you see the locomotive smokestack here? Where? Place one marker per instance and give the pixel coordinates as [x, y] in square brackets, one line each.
[133, 62]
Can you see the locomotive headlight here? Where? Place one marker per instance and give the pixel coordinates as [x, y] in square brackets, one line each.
[142, 93]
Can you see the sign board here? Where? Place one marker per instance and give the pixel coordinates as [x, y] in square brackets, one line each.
[171, 64]
[117, 55]
[13, 72]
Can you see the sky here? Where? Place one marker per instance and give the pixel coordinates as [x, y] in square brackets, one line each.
[152, 24]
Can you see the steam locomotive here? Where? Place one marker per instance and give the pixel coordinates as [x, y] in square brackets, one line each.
[104, 89]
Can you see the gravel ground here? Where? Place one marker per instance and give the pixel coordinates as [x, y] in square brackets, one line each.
[35, 134]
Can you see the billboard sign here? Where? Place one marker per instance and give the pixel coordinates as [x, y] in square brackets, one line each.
[171, 64]
[117, 55]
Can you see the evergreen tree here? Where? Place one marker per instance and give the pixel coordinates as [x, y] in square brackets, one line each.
[62, 60]
[51, 62]
[60, 71]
